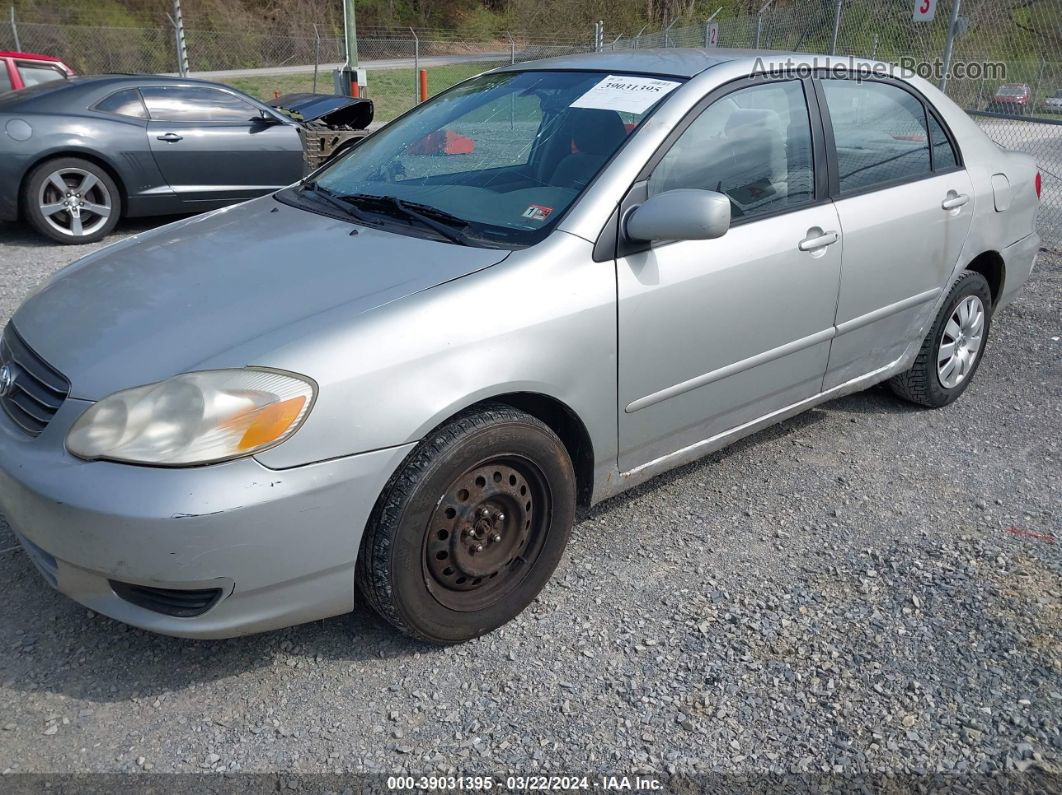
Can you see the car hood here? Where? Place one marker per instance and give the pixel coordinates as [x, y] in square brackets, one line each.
[329, 109]
[187, 294]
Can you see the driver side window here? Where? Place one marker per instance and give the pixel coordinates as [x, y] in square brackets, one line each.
[196, 104]
[753, 145]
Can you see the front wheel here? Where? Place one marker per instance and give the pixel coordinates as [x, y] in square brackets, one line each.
[951, 352]
[471, 526]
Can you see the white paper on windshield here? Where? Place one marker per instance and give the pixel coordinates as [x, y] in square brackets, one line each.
[625, 94]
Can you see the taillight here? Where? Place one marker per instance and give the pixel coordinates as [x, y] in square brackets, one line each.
[1039, 185]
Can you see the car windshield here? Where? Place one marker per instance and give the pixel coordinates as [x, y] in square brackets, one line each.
[1011, 91]
[495, 161]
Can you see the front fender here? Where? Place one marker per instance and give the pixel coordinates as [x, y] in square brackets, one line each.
[543, 321]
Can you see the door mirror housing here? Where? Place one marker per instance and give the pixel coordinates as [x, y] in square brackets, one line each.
[680, 214]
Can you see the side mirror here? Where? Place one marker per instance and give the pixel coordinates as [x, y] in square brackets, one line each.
[681, 214]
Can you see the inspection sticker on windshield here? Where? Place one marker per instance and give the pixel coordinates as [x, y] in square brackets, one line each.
[537, 212]
[625, 94]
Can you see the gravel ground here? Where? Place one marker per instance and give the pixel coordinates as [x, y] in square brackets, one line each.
[868, 587]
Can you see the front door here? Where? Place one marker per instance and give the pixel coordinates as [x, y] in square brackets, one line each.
[717, 333]
[215, 147]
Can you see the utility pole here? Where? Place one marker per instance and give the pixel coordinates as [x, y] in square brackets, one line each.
[348, 79]
[350, 28]
[759, 21]
[182, 45]
[416, 66]
[14, 30]
[953, 22]
[316, 54]
[836, 27]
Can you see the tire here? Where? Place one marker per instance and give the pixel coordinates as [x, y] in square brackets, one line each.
[493, 478]
[84, 212]
[930, 382]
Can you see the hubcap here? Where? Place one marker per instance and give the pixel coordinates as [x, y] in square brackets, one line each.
[485, 533]
[74, 202]
[960, 343]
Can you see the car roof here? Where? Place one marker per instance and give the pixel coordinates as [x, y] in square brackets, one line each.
[34, 55]
[667, 62]
[55, 95]
[135, 80]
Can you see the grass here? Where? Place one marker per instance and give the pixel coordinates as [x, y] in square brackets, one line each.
[391, 90]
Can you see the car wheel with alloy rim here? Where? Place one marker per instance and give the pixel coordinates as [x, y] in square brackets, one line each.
[71, 200]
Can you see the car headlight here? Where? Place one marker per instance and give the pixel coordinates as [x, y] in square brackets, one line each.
[195, 418]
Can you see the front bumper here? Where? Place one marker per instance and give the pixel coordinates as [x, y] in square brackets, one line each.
[280, 544]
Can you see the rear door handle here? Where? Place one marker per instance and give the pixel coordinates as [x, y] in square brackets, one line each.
[820, 240]
[954, 202]
[171, 138]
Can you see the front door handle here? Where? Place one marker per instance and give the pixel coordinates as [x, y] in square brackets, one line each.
[954, 201]
[170, 138]
[817, 239]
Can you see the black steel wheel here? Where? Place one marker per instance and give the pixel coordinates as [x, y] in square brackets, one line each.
[471, 526]
[488, 529]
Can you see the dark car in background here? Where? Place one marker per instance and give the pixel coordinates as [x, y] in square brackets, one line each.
[1011, 98]
[76, 155]
[24, 69]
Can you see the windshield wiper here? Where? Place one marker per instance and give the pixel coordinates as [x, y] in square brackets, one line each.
[447, 225]
[324, 194]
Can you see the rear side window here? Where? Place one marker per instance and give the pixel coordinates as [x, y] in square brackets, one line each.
[34, 74]
[880, 132]
[196, 103]
[5, 78]
[126, 102]
[943, 153]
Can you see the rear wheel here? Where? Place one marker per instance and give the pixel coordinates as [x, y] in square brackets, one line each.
[71, 200]
[951, 352]
[470, 528]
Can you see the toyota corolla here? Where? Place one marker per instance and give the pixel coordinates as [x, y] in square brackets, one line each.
[406, 373]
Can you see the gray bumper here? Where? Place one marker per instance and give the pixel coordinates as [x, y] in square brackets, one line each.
[280, 544]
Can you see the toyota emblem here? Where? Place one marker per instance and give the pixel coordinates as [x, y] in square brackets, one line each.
[7, 379]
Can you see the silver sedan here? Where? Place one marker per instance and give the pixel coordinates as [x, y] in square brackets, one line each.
[406, 373]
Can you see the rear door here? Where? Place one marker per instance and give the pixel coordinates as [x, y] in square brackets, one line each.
[214, 147]
[905, 209]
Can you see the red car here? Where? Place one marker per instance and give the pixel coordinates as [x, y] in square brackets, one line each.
[22, 69]
[1011, 98]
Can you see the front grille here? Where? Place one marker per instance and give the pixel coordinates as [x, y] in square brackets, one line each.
[38, 389]
[170, 601]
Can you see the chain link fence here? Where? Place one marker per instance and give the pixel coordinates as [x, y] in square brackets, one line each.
[1005, 66]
